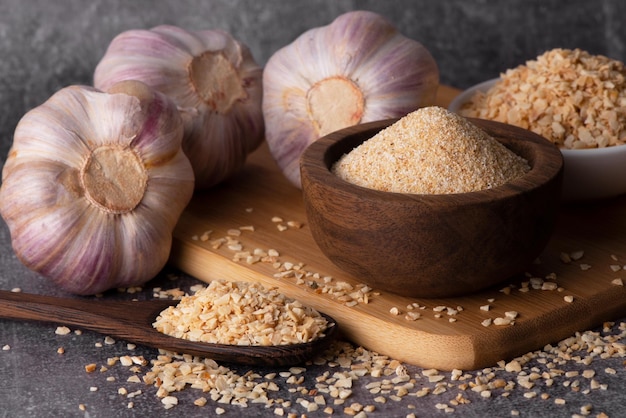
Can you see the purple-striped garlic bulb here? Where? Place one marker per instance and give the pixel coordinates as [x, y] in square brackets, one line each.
[94, 184]
[357, 69]
[212, 78]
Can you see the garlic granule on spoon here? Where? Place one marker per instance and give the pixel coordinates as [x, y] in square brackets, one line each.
[240, 313]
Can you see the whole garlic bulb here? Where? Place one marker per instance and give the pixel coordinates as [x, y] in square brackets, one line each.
[212, 78]
[94, 184]
[357, 69]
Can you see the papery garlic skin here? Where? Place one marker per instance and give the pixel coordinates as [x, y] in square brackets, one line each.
[357, 69]
[212, 78]
[94, 184]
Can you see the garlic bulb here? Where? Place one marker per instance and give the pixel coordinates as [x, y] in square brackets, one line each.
[357, 69]
[211, 77]
[94, 184]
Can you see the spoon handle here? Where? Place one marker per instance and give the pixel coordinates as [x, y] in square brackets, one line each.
[111, 318]
[127, 320]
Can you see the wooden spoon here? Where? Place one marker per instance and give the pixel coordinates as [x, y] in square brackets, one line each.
[132, 321]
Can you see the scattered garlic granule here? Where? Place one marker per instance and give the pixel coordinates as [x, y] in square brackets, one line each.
[62, 330]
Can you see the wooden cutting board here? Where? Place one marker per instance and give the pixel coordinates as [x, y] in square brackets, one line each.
[260, 210]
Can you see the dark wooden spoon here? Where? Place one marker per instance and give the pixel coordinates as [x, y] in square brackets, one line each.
[132, 321]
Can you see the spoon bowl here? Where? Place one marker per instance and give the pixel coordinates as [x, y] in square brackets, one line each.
[132, 321]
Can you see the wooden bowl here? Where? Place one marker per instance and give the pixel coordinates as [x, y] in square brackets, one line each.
[438, 245]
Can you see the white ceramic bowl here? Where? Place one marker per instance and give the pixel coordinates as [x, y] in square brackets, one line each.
[588, 173]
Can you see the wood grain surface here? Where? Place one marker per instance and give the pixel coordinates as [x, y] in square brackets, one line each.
[449, 333]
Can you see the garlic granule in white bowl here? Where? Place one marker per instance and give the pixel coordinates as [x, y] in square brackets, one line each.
[574, 100]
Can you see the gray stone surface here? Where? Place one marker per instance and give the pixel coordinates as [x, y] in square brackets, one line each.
[46, 45]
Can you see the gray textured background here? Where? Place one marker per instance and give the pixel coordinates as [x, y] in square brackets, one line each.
[46, 45]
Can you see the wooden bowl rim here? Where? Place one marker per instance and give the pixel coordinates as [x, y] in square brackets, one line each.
[316, 164]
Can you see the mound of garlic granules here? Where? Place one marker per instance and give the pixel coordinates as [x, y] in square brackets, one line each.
[241, 313]
[430, 151]
[569, 96]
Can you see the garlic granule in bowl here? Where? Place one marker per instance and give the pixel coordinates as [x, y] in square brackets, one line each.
[240, 313]
[431, 151]
[570, 97]
[573, 99]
